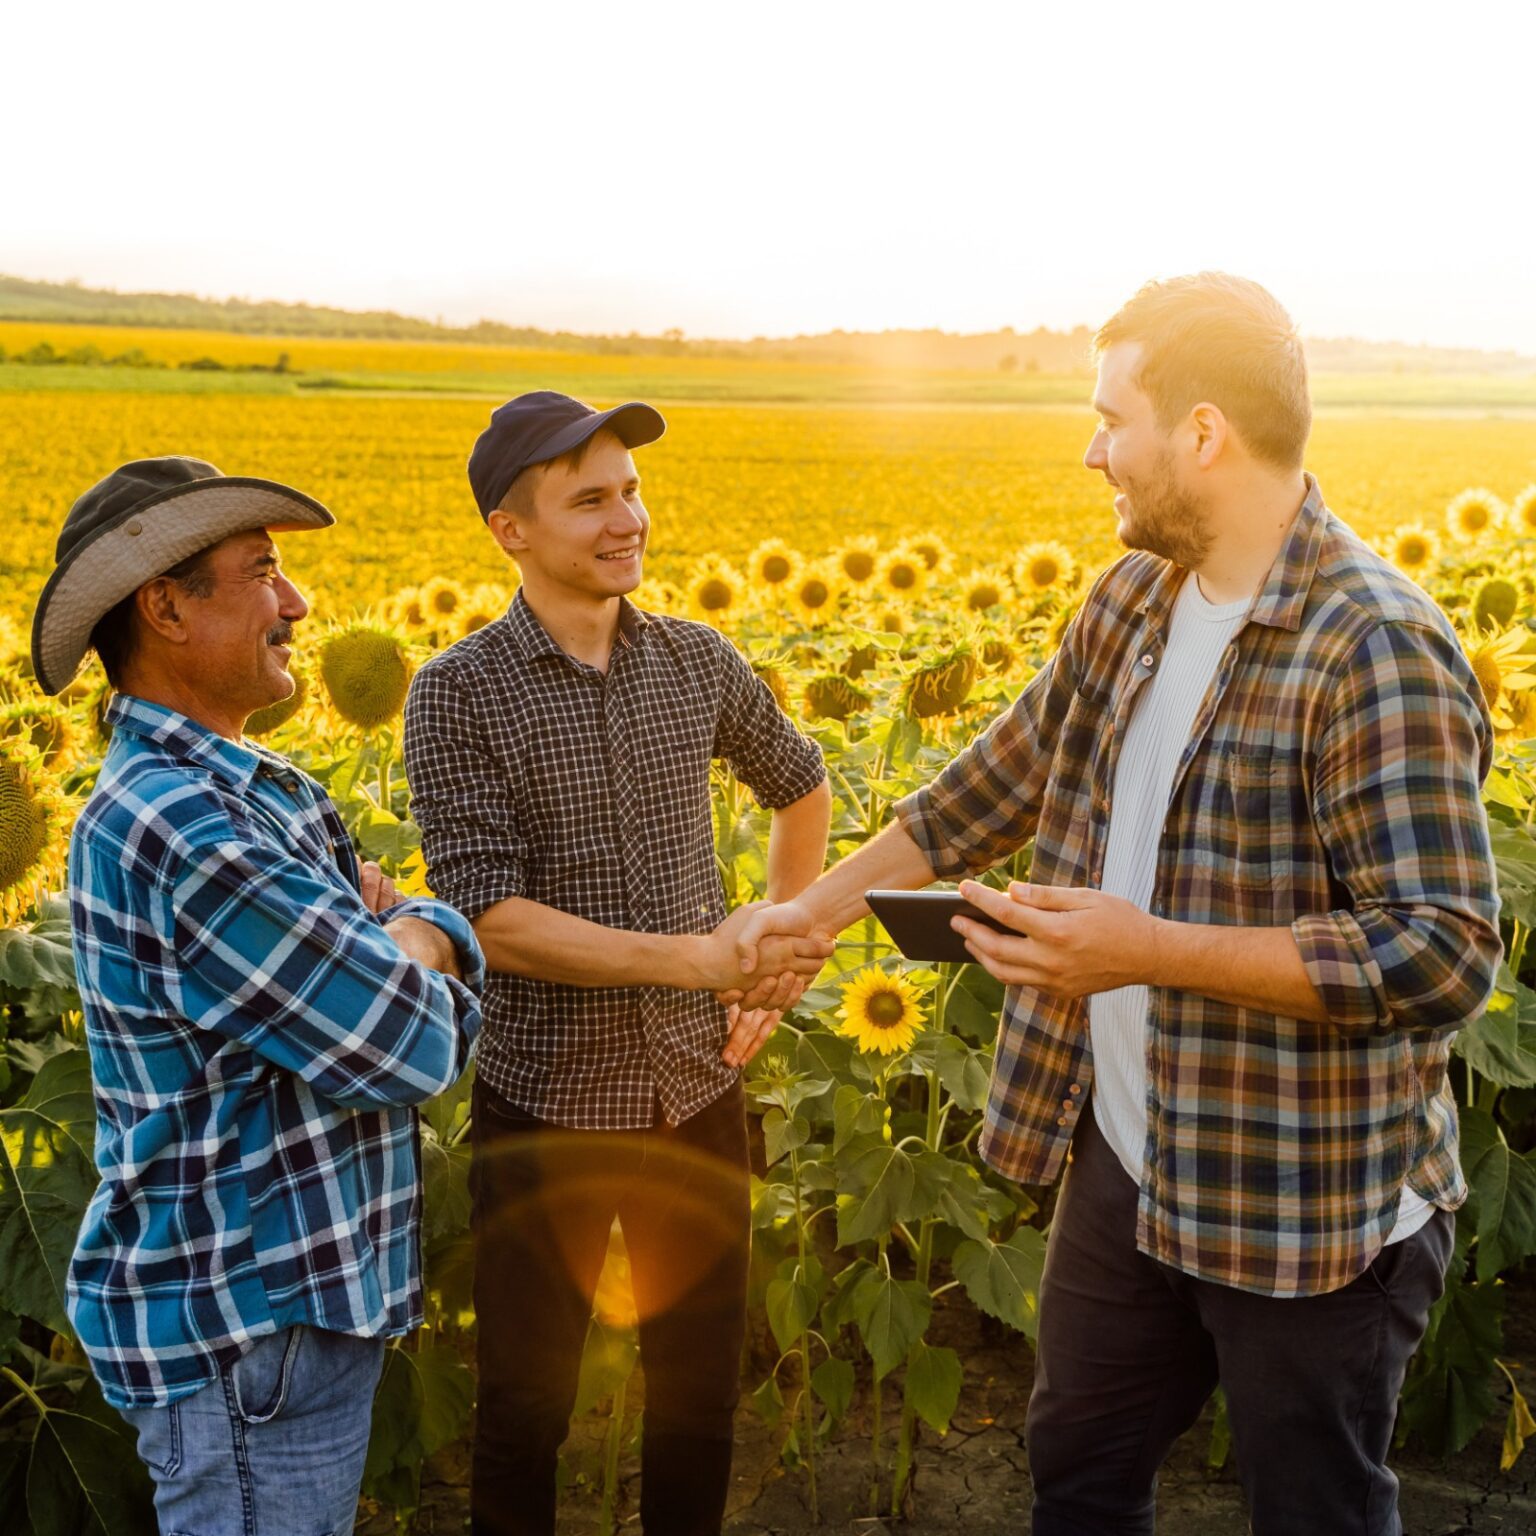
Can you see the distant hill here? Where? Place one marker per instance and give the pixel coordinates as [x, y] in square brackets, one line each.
[1037, 351]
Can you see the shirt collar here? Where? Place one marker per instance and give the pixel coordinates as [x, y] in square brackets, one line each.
[533, 640]
[1282, 599]
[237, 763]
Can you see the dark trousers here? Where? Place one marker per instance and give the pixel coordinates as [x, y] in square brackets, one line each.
[1130, 1350]
[544, 1201]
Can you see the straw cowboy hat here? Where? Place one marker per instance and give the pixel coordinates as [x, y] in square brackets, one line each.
[135, 525]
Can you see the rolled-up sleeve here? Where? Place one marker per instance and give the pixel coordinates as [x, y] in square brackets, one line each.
[461, 799]
[775, 761]
[986, 803]
[1397, 801]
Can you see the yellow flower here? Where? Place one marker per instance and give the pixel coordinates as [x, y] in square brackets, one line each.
[1474, 513]
[880, 1012]
[985, 589]
[1044, 567]
[715, 590]
[1499, 660]
[832, 696]
[1495, 602]
[480, 607]
[903, 574]
[942, 685]
[774, 564]
[32, 815]
[1522, 513]
[406, 609]
[46, 724]
[859, 560]
[366, 672]
[934, 550]
[1412, 547]
[816, 594]
[441, 598]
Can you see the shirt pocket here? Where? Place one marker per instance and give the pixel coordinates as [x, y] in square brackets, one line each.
[1273, 843]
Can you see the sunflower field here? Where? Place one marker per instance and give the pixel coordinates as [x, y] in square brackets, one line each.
[871, 565]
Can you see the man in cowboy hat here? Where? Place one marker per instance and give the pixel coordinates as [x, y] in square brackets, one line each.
[262, 1014]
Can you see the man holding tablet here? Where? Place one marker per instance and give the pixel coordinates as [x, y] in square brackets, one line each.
[1262, 901]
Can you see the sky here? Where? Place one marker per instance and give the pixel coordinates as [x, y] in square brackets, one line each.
[736, 170]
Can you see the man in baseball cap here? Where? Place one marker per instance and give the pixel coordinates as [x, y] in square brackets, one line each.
[262, 1015]
[559, 760]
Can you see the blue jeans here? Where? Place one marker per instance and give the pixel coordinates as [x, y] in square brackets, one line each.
[274, 1447]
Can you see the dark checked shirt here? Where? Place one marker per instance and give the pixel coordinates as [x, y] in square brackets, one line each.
[257, 1041]
[535, 775]
[1331, 785]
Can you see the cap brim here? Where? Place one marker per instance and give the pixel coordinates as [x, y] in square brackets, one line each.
[635, 423]
[145, 542]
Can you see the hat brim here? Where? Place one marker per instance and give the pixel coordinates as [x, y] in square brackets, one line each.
[145, 542]
[635, 423]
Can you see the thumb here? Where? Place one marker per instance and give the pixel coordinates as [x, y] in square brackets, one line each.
[1048, 898]
[747, 940]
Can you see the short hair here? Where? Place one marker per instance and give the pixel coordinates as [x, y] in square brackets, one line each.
[519, 500]
[115, 634]
[1225, 339]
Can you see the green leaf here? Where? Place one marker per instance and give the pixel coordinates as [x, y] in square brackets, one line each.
[891, 1316]
[965, 1073]
[423, 1403]
[447, 1113]
[792, 1303]
[855, 1113]
[444, 1185]
[1501, 1044]
[888, 1185]
[85, 1479]
[607, 1358]
[769, 1402]
[1504, 1190]
[933, 1385]
[782, 1136]
[961, 1198]
[1514, 858]
[772, 1203]
[1450, 1390]
[1003, 1279]
[832, 1382]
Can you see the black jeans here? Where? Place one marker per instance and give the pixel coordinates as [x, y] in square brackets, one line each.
[544, 1200]
[1130, 1349]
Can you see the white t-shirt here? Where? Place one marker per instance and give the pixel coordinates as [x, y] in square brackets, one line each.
[1159, 730]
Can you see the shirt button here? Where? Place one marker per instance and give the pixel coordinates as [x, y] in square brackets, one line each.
[1061, 1120]
[1068, 1104]
[1075, 1088]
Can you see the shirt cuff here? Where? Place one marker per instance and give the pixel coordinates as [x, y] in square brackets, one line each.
[1338, 958]
[917, 817]
[455, 925]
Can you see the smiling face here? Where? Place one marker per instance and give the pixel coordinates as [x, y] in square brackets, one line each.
[1157, 508]
[583, 531]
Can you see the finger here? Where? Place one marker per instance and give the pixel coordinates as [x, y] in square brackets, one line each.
[1006, 948]
[782, 992]
[744, 1029]
[760, 1039]
[1051, 898]
[389, 893]
[994, 903]
[1011, 975]
[369, 875]
[813, 947]
[734, 995]
[760, 989]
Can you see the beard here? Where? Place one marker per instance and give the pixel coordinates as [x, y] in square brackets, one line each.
[1165, 520]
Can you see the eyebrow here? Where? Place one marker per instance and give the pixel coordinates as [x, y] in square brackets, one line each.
[597, 490]
[1108, 412]
[264, 563]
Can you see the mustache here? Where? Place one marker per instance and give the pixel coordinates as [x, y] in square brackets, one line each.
[280, 633]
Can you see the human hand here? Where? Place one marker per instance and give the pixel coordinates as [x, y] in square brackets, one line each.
[378, 890]
[1070, 941]
[426, 944]
[783, 962]
[749, 1032]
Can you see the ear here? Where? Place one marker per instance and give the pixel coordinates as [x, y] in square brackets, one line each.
[162, 609]
[507, 529]
[1209, 428]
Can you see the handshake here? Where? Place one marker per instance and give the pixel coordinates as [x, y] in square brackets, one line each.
[758, 962]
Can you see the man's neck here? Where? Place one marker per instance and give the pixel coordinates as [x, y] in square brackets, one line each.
[584, 628]
[1250, 532]
[167, 690]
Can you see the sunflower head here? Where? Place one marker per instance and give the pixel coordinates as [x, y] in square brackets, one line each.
[1495, 602]
[406, 609]
[267, 720]
[880, 1012]
[366, 673]
[31, 830]
[985, 589]
[996, 655]
[440, 599]
[1044, 567]
[47, 724]
[1501, 665]
[1522, 513]
[859, 559]
[1412, 547]
[773, 564]
[832, 696]
[1474, 513]
[942, 685]
[715, 590]
[481, 606]
[932, 550]
[903, 574]
[860, 659]
[816, 593]
[773, 677]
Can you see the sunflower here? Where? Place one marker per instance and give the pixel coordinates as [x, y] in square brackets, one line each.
[32, 816]
[859, 560]
[715, 590]
[46, 724]
[773, 564]
[1497, 659]
[832, 696]
[941, 685]
[660, 597]
[903, 574]
[366, 672]
[1061, 620]
[1412, 548]
[441, 598]
[485, 604]
[880, 1012]
[1522, 513]
[1474, 513]
[985, 589]
[934, 551]
[407, 610]
[1044, 567]
[816, 594]
[772, 675]
[1495, 602]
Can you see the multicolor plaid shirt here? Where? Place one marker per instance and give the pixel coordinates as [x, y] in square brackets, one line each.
[1331, 784]
[535, 775]
[257, 1040]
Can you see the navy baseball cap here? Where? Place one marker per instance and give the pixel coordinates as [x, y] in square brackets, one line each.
[537, 427]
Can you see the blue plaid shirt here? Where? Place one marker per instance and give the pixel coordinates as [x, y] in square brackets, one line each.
[258, 1042]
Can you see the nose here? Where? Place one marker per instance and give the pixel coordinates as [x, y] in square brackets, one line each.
[290, 601]
[1097, 456]
[631, 518]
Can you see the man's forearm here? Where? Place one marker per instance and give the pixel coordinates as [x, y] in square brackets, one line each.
[797, 843]
[1250, 967]
[526, 938]
[889, 861]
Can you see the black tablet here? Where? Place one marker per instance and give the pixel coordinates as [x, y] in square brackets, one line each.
[919, 922]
